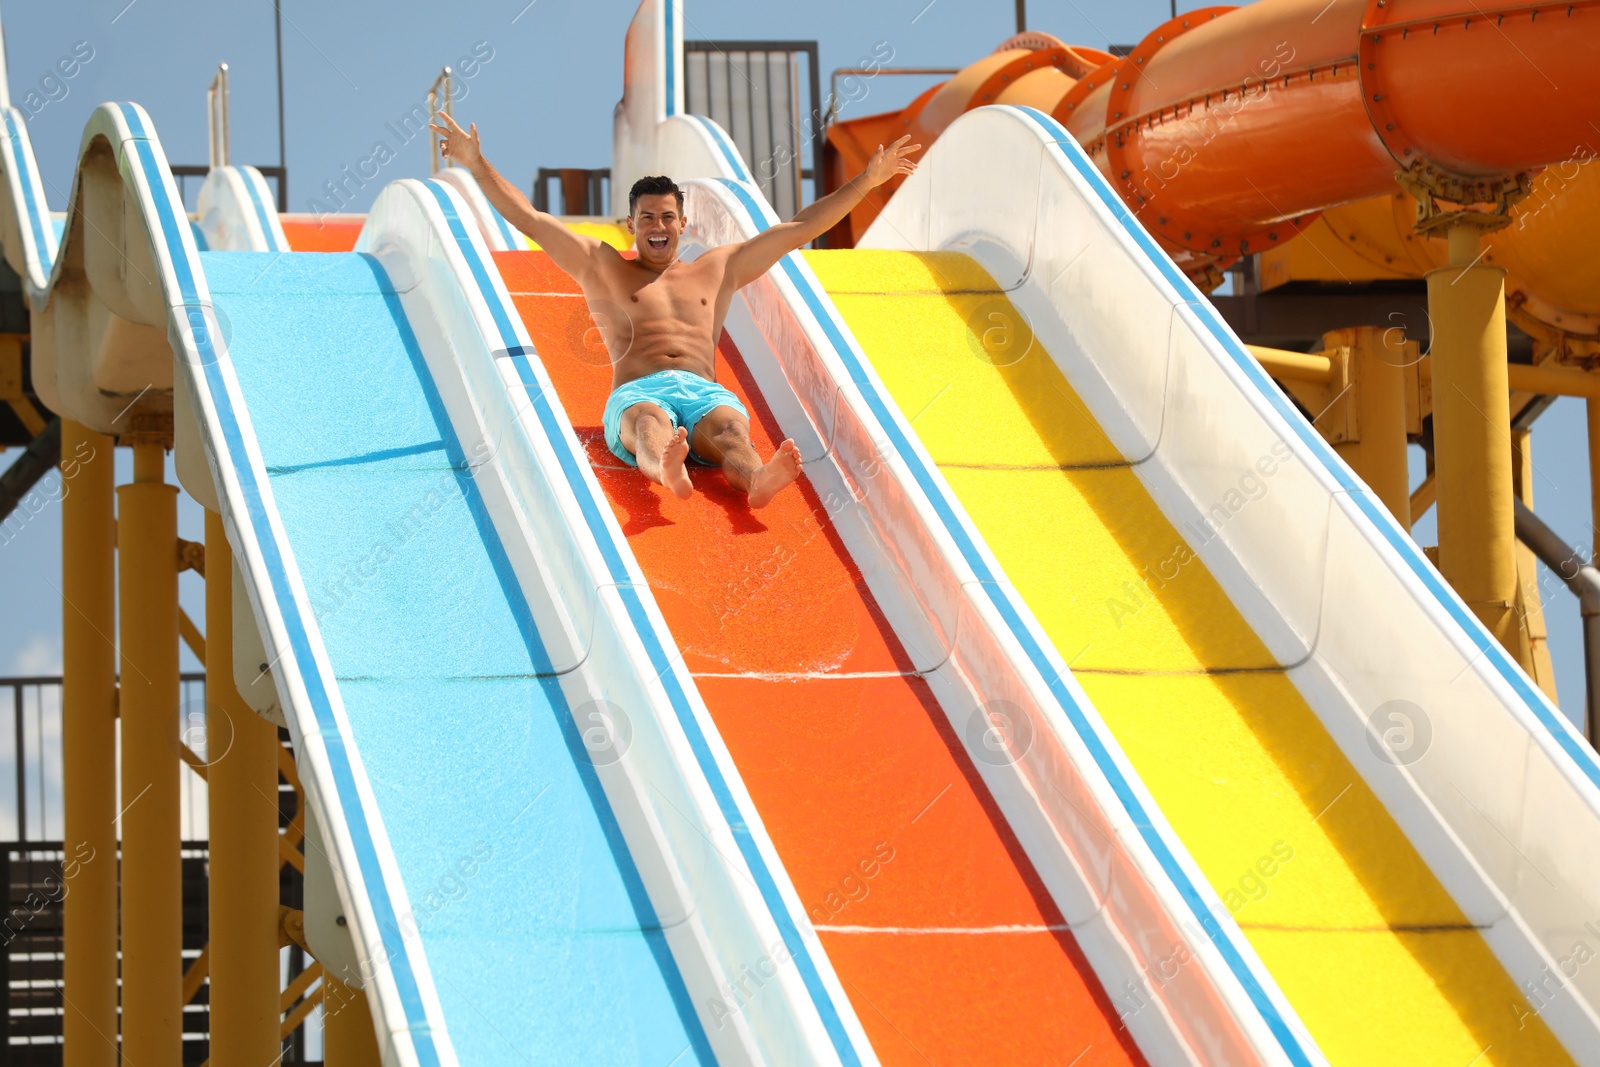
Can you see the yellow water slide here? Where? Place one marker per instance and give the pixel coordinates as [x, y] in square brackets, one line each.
[1370, 949]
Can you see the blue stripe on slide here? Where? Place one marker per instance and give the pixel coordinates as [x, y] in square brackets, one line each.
[267, 232]
[566, 451]
[349, 798]
[513, 239]
[943, 506]
[1481, 639]
[669, 51]
[729, 153]
[35, 211]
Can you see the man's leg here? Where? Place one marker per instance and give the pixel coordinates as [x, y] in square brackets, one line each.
[661, 451]
[723, 436]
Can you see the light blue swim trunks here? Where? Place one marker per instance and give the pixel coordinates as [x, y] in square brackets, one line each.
[685, 397]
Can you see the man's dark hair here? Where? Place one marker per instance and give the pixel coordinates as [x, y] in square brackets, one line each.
[654, 185]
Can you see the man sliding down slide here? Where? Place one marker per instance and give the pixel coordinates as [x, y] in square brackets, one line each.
[661, 318]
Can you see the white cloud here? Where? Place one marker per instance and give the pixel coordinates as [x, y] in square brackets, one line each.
[40, 654]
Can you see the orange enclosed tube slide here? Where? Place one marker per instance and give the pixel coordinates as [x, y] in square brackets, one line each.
[1227, 129]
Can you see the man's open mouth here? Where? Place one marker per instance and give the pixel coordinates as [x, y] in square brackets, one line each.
[657, 241]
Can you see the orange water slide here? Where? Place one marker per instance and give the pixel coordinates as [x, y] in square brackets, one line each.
[322, 233]
[942, 933]
[1227, 129]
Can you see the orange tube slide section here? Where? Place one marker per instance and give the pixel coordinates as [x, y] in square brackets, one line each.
[1552, 273]
[1226, 130]
[946, 941]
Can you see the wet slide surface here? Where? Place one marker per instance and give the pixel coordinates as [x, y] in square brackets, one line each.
[539, 936]
[1367, 945]
[945, 940]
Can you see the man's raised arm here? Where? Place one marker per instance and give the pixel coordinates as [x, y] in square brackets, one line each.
[570, 250]
[753, 258]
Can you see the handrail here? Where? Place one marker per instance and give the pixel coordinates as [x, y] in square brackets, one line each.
[1567, 564]
[447, 78]
[217, 117]
[872, 72]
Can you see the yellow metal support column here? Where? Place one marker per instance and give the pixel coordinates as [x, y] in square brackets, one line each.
[1378, 391]
[348, 1036]
[152, 888]
[89, 748]
[242, 753]
[1471, 428]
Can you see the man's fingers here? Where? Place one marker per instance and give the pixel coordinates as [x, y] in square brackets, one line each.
[451, 123]
[474, 132]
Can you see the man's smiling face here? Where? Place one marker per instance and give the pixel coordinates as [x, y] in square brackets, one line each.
[656, 225]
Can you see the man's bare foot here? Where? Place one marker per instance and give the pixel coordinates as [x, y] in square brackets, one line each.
[673, 474]
[779, 471]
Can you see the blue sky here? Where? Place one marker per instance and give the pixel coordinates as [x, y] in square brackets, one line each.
[545, 98]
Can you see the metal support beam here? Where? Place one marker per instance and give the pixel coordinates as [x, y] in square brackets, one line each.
[1593, 411]
[1296, 366]
[1472, 446]
[242, 751]
[152, 872]
[1377, 451]
[1584, 580]
[42, 453]
[349, 1038]
[88, 750]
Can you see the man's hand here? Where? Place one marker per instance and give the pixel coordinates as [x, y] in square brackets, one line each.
[887, 162]
[462, 145]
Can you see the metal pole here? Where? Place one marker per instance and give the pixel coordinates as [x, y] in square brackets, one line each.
[89, 747]
[1022, 15]
[20, 747]
[348, 1037]
[1584, 581]
[283, 165]
[1593, 411]
[242, 751]
[152, 872]
[1378, 453]
[1471, 410]
[217, 117]
[446, 80]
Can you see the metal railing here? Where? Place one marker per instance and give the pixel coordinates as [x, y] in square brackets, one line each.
[218, 145]
[217, 117]
[753, 90]
[872, 72]
[446, 80]
[35, 870]
[30, 800]
[279, 176]
[583, 191]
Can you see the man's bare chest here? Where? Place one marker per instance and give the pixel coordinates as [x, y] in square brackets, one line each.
[684, 290]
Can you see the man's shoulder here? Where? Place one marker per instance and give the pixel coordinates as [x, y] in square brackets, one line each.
[605, 261]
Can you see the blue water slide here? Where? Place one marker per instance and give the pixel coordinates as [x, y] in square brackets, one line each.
[533, 845]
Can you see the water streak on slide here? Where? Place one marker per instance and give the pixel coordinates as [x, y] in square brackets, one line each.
[1371, 950]
[946, 942]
